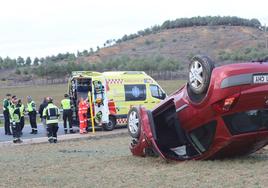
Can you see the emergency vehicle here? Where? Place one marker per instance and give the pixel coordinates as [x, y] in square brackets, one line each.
[112, 94]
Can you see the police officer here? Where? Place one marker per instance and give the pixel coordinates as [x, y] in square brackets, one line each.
[15, 117]
[67, 113]
[51, 115]
[31, 108]
[6, 105]
[22, 113]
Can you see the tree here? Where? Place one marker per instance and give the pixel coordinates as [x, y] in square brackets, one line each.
[20, 61]
[35, 62]
[28, 61]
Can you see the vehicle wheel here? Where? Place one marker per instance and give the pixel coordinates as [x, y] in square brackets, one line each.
[111, 124]
[200, 70]
[133, 123]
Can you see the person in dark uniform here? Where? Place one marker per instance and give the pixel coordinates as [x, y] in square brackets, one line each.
[67, 113]
[41, 109]
[31, 108]
[6, 106]
[51, 114]
[22, 113]
[15, 117]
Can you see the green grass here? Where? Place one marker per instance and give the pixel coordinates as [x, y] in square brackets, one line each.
[108, 162]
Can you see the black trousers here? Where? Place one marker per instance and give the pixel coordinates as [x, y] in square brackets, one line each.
[67, 115]
[32, 118]
[7, 122]
[52, 130]
[16, 129]
[22, 122]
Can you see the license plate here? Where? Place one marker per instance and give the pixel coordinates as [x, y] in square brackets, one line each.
[260, 78]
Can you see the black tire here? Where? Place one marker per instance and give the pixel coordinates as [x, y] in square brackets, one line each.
[133, 113]
[204, 63]
[111, 124]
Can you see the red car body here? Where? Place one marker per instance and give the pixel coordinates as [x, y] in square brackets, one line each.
[230, 119]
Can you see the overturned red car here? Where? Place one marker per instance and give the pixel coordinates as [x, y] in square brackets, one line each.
[220, 112]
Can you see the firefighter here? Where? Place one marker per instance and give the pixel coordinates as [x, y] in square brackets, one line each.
[31, 108]
[15, 117]
[66, 105]
[51, 115]
[22, 113]
[6, 105]
[82, 113]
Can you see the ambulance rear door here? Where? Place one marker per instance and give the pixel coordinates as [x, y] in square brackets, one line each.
[99, 100]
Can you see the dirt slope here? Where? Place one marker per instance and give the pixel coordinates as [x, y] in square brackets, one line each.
[183, 42]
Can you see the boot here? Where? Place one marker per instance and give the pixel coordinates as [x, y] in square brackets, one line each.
[32, 132]
[35, 132]
[72, 131]
[50, 140]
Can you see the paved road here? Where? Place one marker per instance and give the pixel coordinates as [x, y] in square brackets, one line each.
[26, 132]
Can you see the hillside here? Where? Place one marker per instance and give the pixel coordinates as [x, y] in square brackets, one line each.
[182, 43]
[163, 54]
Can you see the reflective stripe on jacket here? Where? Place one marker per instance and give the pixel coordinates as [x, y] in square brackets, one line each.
[51, 114]
[83, 107]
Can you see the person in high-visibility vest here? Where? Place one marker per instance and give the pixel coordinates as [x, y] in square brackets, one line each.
[15, 116]
[66, 105]
[51, 114]
[22, 113]
[82, 113]
[31, 108]
[6, 105]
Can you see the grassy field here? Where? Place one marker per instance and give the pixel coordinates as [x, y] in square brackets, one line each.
[107, 162]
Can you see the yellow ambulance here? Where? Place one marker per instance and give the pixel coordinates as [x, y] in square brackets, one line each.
[113, 94]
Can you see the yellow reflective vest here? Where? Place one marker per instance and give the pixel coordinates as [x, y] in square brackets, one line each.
[14, 112]
[66, 104]
[31, 106]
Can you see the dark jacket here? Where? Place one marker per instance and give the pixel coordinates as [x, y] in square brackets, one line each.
[41, 108]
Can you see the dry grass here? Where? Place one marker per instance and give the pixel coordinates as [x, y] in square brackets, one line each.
[107, 162]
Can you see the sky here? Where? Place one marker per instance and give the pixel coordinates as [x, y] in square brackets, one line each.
[39, 28]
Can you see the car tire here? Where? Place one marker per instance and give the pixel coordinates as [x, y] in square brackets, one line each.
[111, 124]
[133, 123]
[200, 70]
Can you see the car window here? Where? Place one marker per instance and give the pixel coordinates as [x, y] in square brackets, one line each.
[135, 92]
[156, 92]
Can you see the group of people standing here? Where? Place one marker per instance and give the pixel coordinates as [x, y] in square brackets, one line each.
[14, 112]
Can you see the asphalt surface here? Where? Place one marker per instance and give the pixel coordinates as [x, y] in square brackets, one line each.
[26, 132]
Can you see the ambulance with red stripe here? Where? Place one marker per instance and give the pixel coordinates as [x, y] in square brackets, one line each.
[113, 94]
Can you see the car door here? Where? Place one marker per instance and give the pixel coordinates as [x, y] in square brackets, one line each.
[148, 129]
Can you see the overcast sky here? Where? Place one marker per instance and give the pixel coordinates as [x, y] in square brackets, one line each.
[45, 27]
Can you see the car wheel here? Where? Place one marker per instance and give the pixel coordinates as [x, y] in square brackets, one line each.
[111, 124]
[200, 70]
[133, 123]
